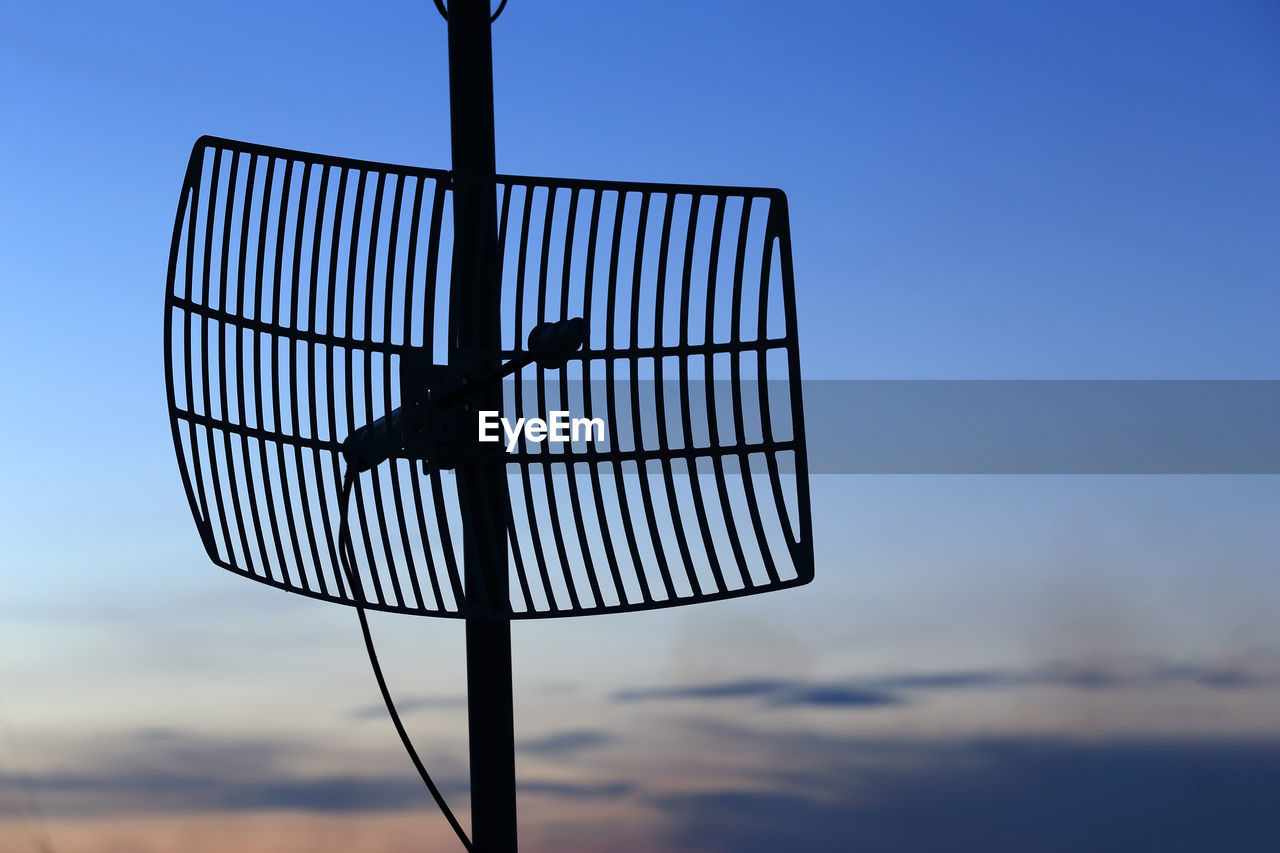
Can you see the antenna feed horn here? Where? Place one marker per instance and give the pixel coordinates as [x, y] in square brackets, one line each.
[433, 422]
[552, 344]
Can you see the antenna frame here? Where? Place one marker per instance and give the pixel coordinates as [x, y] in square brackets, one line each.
[474, 350]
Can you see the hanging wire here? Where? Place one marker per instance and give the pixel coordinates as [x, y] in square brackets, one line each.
[444, 12]
[346, 553]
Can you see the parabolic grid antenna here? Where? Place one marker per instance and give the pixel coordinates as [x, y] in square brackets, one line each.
[335, 327]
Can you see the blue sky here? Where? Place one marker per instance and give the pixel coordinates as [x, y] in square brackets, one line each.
[1003, 190]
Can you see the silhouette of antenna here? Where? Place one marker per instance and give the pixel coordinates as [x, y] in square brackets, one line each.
[338, 332]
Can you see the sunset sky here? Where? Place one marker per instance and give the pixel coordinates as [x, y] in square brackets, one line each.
[999, 190]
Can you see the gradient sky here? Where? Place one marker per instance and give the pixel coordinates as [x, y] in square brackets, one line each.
[990, 190]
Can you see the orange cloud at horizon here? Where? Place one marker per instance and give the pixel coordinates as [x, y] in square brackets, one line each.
[303, 832]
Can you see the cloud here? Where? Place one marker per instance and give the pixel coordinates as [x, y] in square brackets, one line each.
[565, 744]
[1223, 677]
[169, 770]
[888, 689]
[408, 705]
[153, 793]
[162, 770]
[127, 792]
[576, 790]
[943, 680]
[779, 790]
[832, 696]
[777, 693]
[1259, 673]
[724, 690]
[991, 795]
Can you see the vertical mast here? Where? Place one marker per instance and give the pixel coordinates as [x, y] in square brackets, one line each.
[474, 341]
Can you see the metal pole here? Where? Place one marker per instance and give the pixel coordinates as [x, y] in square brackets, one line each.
[474, 332]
